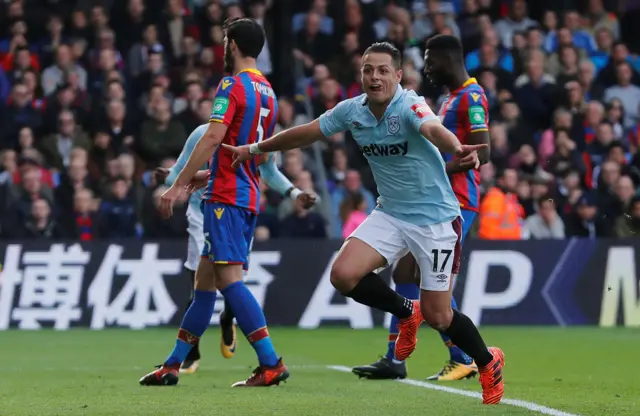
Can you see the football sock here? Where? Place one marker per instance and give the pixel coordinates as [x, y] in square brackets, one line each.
[251, 321]
[372, 291]
[409, 291]
[455, 353]
[464, 334]
[194, 354]
[194, 323]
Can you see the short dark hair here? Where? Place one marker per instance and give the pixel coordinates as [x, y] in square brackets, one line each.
[247, 34]
[387, 48]
[616, 144]
[446, 43]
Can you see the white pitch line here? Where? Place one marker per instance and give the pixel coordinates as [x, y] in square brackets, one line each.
[517, 403]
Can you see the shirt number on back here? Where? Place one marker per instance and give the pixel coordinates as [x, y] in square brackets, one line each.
[264, 113]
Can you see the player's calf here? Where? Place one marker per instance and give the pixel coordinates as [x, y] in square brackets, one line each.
[436, 309]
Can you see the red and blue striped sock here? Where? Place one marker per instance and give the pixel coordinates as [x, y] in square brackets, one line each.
[195, 322]
[251, 321]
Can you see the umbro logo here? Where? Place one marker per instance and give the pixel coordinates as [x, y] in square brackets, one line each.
[356, 125]
[441, 278]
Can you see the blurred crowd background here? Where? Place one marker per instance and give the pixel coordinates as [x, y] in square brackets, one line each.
[95, 94]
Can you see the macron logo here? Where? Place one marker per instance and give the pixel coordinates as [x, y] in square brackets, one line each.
[399, 149]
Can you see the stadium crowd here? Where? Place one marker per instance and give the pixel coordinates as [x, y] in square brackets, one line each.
[95, 95]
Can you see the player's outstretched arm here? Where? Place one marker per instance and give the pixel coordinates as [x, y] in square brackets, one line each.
[472, 161]
[293, 138]
[446, 141]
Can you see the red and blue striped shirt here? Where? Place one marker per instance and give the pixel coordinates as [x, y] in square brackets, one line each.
[246, 104]
[466, 111]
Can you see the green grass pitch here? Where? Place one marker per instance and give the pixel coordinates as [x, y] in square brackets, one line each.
[582, 371]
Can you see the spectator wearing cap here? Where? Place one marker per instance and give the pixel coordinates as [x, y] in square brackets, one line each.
[546, 223]
[54, 75]
[628, 224]
[585, 221]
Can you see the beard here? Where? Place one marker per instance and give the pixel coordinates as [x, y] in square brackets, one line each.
[228, 60]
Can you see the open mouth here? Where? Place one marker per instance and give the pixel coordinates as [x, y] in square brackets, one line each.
[375, 87]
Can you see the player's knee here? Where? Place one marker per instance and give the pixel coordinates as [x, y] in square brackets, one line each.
[437, 318]
[342, 277]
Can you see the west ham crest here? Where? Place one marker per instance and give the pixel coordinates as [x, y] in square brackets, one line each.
[393, 124]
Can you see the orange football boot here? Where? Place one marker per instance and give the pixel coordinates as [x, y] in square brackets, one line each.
[491, 378]
[264, 376]
[408, 332]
